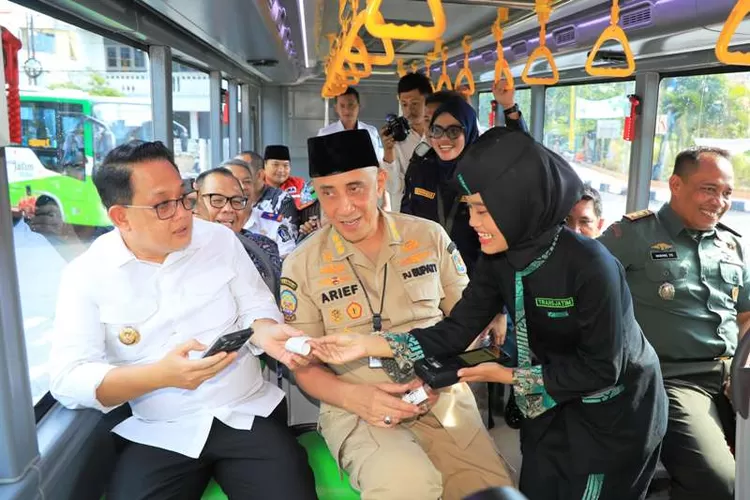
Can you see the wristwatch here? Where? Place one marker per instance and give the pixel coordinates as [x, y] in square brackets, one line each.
[512, 109]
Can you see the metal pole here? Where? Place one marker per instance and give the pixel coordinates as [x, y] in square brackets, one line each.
[538, 96]
[215, 156]
[17, 423]
[233, 124]
[162, 116]
[247, 127]
[641, 152]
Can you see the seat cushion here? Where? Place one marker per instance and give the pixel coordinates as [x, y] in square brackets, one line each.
[328, 483]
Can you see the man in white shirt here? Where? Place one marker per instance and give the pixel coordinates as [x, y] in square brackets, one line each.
[413, 89]
[347, 109]
[134, 313]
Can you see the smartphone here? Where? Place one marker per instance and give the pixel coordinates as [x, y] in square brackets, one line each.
[229, 342]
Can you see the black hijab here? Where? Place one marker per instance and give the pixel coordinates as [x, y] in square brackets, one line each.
[527, 189]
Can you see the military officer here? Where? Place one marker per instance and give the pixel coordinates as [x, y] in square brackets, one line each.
[688, 276]
[367, 271]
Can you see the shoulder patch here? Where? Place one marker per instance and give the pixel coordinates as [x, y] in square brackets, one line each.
[272, 216]
[284, 234]
[723, 226]
[640, 214]
[291, 284]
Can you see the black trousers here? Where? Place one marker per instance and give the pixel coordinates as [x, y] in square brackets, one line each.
[263, 463]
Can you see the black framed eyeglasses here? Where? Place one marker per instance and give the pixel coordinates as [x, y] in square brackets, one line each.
[219, 200]
[166, 209]
[453, 132]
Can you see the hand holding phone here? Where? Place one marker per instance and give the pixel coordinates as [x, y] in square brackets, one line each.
[442, 371]
[178, 369]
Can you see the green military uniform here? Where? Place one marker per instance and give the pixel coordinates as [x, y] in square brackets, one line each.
[688, 287]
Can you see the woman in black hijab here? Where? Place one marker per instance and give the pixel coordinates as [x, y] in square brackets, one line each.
[428, 188]
[587, 381]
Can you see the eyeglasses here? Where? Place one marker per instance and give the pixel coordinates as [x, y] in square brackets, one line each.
[220, 201]
[166, 209]
[453, 132]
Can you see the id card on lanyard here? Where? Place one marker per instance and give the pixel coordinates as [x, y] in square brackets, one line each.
[377, 317]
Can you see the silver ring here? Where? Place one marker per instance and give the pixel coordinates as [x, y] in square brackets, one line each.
[387, 420]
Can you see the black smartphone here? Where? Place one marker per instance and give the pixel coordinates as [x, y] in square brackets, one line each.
[229, 342]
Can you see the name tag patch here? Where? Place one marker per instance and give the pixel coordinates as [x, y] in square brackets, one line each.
[272, 216]
[423, 192]
[339, 293]
[664, 255]
[554, 303]
[420, 271]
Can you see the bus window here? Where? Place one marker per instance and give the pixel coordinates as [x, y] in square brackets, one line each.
[55, 132]
[584, 124]
[72, 115]
[523, 99]
[705, 110]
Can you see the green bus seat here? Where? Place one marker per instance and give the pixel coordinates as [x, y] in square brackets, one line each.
[328, 484]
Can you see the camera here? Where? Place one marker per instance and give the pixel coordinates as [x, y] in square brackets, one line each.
[397, 127]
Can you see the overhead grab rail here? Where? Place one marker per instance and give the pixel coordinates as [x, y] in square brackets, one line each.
[444, 82]
[725, 37]
[465, 73]
[502, 68]
[364, 58]
[543, 10]
[616, 33]
[378, 28]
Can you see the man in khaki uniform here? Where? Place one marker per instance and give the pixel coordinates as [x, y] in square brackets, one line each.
[336, 282]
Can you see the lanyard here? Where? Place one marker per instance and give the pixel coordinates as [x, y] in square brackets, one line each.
[522, 334]
[447, 223]
[377, 318]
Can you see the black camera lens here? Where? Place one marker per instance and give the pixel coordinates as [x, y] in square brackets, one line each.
[397, 127]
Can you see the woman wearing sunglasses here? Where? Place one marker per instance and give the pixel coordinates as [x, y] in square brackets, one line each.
[429, 192]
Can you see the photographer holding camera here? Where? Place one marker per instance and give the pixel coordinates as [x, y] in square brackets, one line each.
[401, 135]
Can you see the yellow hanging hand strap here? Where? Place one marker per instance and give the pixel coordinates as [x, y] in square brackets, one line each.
[612, 32]
[543, 10]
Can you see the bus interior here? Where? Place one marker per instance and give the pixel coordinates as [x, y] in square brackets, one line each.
[213, 78]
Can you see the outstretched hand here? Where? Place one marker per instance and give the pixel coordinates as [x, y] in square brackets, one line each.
[340, 348]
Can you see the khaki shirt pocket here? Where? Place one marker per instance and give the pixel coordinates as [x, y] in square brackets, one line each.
[425, 295]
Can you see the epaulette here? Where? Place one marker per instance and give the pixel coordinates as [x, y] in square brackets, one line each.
[729, 229]
[640, 214]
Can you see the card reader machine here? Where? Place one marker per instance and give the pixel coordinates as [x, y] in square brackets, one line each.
[442, 371]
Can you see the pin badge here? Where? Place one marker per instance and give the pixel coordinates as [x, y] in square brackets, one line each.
[129, 336]
[666, 291]
[735, 293]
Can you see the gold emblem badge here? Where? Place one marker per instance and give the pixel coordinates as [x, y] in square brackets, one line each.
[336, 315]
[735, 293]
[661, 247]
[666, 291]
[129, 336]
